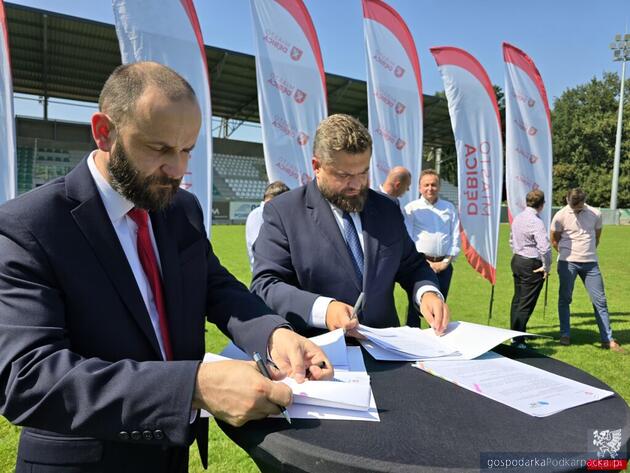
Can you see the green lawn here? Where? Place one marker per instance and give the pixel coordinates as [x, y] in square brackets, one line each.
[468, 300]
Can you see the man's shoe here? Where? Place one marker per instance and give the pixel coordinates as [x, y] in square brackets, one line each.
[613, 346]
[565, 341]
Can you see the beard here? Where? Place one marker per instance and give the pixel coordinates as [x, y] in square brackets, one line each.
[346, 203]
[151, 193]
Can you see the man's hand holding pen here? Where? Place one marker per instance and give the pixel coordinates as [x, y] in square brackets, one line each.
[239, 391]
[435, 311]
[340, 315]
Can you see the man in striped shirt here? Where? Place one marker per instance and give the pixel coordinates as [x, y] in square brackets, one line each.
[530, 263]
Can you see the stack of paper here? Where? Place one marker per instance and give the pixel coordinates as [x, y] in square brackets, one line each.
[461, 341]
[523, 387]
[354, 374]
[348, 397]
[354, 394]
[402, 343]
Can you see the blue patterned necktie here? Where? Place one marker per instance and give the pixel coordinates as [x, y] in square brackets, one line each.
[354, 245]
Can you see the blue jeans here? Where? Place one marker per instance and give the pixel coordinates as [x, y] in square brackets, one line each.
[592, 279]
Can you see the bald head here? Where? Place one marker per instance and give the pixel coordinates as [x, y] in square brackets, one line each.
[129, 82]
[397, 182]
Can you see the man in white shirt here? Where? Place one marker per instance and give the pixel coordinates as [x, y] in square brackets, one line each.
[433, 224]
[255, 218]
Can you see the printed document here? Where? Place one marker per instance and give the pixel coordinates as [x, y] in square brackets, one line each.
[523, 387]
[461, 341]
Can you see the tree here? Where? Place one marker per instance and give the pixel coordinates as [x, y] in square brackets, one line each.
[584, 123]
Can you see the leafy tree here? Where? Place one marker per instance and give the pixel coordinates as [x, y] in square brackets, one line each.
[584, 122]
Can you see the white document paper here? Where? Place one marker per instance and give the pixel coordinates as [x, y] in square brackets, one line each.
[523, 387]
[383, 354]
[461, 341]
[353, 395]
[472, 340]
[334, 345]
[356, 370]
[348, 398]
[406, 342]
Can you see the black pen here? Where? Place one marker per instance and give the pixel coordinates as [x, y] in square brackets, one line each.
[265, 372]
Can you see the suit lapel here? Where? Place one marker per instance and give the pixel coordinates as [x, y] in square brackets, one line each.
[92, 219]
[171, 280]
[326, 223]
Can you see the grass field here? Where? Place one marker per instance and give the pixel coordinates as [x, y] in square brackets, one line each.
[468, 300]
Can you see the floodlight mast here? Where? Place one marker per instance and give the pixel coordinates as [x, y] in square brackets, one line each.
[621, 52]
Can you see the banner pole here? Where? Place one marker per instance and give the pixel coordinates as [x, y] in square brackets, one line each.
[491, 303]
[546, 289]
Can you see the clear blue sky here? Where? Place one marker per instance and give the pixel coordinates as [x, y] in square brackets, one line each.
[567, 39]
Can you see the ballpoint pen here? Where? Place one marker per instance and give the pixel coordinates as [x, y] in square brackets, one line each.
[358, 305]
[265, 372]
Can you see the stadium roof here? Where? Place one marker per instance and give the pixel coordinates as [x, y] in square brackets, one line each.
[56, 55]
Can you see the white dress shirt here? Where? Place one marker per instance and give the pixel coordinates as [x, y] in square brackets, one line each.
[127, 230]
[320, 306]
[433, 227]
[252, 229]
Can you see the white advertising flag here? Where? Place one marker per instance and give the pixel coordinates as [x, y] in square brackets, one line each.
[394, 95]
[476, 124]
[7, 117]
[168, 32]
[528, 152]
[291, 87]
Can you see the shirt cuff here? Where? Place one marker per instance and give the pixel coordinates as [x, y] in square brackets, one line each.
[427, 288]
[193, 415]
[317, 318]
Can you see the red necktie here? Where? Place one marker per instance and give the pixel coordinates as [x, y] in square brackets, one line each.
[151, 270]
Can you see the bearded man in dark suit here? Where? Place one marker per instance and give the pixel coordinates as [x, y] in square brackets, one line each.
[106, 281]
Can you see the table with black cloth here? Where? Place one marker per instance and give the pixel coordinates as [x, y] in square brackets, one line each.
[431, 425]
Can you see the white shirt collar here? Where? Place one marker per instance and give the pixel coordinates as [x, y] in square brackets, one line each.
[115, 204]
[426, 202]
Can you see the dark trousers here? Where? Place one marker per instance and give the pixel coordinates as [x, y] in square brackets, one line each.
[527, 286]
[444, 280]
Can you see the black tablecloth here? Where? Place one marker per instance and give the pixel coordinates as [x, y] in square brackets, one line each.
[430, 425]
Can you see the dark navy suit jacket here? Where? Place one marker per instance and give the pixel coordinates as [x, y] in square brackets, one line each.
[79, 360]
[300, 254]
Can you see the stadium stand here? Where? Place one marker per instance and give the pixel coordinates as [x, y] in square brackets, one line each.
[24, 169]
[244, 176]
[41, 160]
[448, 192]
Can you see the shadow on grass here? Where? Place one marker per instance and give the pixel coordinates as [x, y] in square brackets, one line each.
[584, 332]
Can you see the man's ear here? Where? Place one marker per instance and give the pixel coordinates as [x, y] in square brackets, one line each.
[316, 164]
[102, 131]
